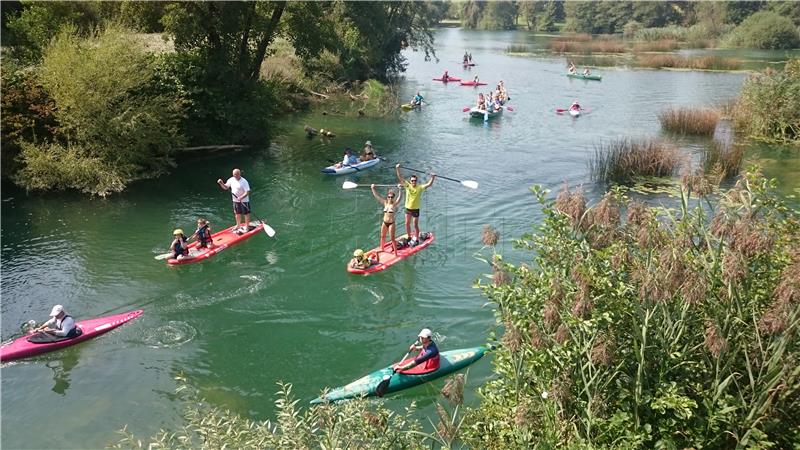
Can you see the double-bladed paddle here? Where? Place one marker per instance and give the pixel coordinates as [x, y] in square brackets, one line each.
[561, 110]
[383, 386]
[351, 185]
[466, 183]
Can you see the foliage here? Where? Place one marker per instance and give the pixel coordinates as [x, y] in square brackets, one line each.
[352, 424]
[769, 105]
[623, 160]
[498, 15]
[39, 22]
[723, 160]
[670, 61]
[689, 120]
[110, 113]
[767, 30]
[662, 330]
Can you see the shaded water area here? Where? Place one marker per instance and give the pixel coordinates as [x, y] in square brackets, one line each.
[284, 308]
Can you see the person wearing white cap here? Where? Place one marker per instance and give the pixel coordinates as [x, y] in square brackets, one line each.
[60, 324]
[429, 353]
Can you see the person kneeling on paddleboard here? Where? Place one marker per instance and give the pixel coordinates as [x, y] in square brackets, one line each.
[363, 261]
[203, 234]
[179, 247]
[60, 324]
[429, 353]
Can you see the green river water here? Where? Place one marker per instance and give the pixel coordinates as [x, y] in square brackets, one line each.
[284, 308]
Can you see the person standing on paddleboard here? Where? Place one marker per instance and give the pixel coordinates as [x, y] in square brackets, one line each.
[429, 353]
[389, 209]
[413, 201]
[240, 190]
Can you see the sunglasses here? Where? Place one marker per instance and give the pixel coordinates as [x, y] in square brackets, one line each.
[390, 196]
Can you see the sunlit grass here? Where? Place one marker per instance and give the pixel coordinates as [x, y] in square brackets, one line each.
[701, 121]
[623, 160]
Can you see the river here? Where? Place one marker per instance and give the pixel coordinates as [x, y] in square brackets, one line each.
[284, 308]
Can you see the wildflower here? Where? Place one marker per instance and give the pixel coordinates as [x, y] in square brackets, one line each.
[489, 236]
[545, 394]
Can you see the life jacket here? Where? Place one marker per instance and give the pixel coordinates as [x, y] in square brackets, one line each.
[431, 364]
[203, 235]
[180, 249]
[75, 332]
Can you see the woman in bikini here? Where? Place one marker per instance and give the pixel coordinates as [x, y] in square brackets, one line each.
[389, 210]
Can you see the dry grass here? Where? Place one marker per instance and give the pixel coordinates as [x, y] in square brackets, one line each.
[700, 121]
[661, 45]
[723, 160]
[623, 160]
[602, 45]
[680, 62]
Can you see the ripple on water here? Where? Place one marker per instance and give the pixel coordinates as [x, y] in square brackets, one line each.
[247, 287]
[169, 335]
[358, 289]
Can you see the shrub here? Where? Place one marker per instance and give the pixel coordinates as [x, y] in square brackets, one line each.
[769, 105]
[661, 45]
[623, 160]
[689, 120]
[630, 29]
[767, 30]
[649, 327]
[671, 32]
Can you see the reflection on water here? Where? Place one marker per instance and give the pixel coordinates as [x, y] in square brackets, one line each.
[61, 370]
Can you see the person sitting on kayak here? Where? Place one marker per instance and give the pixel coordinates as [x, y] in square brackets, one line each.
[417, 100]
[445, 76]
[389, 213]
[575, 106]
[363, 261]
[496, 102]
[475, 80]
[60, 324]
[202, 234]
[481, 105]
[179, 248]
[572, 68]
[586, 72]
[348, 160]
[429, 353]
[368, 153]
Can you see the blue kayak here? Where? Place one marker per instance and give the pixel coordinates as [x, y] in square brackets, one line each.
[332, 170]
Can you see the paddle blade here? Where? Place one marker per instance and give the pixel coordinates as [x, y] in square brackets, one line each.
[466, 109]
[470, 184]
[510, 108]
[268, 229]
[162, 256]
[349, 185]
[383, 386]
[559, 110]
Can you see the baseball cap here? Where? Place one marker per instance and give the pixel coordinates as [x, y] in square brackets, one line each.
[58, 309]
[425, 333]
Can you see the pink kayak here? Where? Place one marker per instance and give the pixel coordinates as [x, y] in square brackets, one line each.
[447, 80]
[472, 83]
[21, 348]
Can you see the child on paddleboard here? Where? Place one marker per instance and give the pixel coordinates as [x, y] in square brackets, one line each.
[179, 247]
[203, 234]
[363, 261]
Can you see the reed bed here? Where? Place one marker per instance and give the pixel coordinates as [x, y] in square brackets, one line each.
[661, 45]
[518, 48]
[680, 62]
[723, 160]
[623, 160]
[699, 121]
[569, 45]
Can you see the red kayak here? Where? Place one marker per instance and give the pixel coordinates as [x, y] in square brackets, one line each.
[387, 258]
[447, 80]
[21, 348]
[472, 83]
[222, 240]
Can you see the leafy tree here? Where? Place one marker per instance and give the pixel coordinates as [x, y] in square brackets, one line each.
[767, 30]
[471, 12]
[498, 15]
[38, 22]
[790, 9]
[597, 17]
[736, 12]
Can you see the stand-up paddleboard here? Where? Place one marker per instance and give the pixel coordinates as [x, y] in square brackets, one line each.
[222, 240]
[21, 348]
[387, 258]
[449, 362]
[449, 79]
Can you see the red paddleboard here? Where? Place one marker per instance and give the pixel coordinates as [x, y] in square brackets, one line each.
[387, 258]
[449, 79]
[222, 240]
[472, 83]
[21, 348]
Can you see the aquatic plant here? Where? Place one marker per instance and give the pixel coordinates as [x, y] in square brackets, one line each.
[622, 160]
[659, 61]
[701, 121]
[518, 48]
[769, 106]
[661, 45]
[578, 44]
[723, 160]
[649, 328]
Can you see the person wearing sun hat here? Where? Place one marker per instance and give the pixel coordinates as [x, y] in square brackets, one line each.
[368, 152]
[179, 248]
[60, 324]
[429, 353]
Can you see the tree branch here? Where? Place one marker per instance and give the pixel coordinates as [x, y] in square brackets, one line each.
[266, 39]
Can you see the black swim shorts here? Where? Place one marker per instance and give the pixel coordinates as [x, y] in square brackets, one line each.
[412, 212]
[241, 207]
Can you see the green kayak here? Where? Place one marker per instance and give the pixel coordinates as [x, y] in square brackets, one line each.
[585, 77]
[449, 362]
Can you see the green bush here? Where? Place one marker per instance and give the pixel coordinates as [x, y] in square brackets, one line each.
[767, 30]
[653, 329]
[769, 105]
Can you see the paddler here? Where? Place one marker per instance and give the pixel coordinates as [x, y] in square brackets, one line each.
[203, 234]
[586, 72]
[445, 76]
[363, 261]
[60, 324]
[575, 106]
[429, 353]
[368, 153]
[348, 160]
[413, 202]
[417, 100]
[240, 191]
[572, 68]
[389, 213]
[179, 247]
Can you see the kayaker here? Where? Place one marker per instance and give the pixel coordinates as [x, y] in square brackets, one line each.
[389, 214]
[466, 57]
[240, 191]
[60, 324]
[368, 153]
[586, 72]
[445, 76]
[363, 261]
[417, 100]
[179, 247]
[348, 160]
[470, 57]
[575, 106]
[413, 202]
[203, 234]
[475, 80]
[572, 68]
[429, 353]
[481, 105]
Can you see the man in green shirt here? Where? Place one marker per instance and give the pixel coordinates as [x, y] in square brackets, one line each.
[413, 201]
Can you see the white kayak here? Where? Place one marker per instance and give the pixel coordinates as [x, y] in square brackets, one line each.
[574, 112]
[332, 170]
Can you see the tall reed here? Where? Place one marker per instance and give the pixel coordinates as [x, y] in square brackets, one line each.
[701, 121]
[723, 160]
[623, 160]
[681, 62]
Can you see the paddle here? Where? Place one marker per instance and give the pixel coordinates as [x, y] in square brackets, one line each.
[560, 111]
[351, 185]
[466, 183]
[380, 389]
